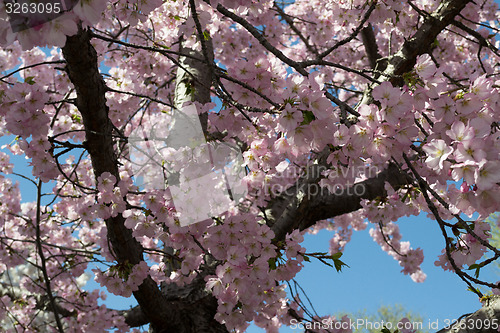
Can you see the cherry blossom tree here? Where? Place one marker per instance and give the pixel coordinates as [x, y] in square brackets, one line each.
[344, 115]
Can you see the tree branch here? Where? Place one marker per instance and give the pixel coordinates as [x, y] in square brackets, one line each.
[405, 59]
[370, 43]
[304, 204]
[484, 320]
[262, 40]
[43, 260]
[289, 20]
[134, 317]
[82, 65]
[420, 43]
[353, 34]
[43, 302]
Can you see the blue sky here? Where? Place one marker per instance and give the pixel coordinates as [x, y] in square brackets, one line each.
[374, 279]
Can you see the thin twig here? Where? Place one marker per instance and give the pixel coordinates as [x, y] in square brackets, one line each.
[42, 258]
[31, 66]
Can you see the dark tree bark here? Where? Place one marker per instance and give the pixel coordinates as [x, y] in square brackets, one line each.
[301, 209]
[188, 310]
[83, 71]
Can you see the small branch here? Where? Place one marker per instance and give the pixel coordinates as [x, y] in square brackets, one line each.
[388, 241]
[344, 107]
[42, 258]
[307, 63]
[140, 47]
[482, 41]
[108, 89]
[370, 43]
[262, 40]
[353, 34]
[464, 276]
[31, 66]
[289, 21]
[248, 87]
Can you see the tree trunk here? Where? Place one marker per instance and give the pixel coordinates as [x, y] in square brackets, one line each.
[190, 309]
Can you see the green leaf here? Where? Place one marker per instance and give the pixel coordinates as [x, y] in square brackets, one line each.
[76, 118]
[306, 258]
[337, 255]
[162, 46]
[477, 267]
[339, 264]
[474, 290]
[189, 89]
[206, 35]
[308, 117]
[289, 100]
[272, 263]
[20, 302]
[29, 80]
[177, 17]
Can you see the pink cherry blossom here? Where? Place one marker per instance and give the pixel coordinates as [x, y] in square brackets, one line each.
[437, 152]
[487, 174]
[315, 99]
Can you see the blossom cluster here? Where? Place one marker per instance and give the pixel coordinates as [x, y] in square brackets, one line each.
[439, 131]
[467, 250]
[389, 239]
[122, 280]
